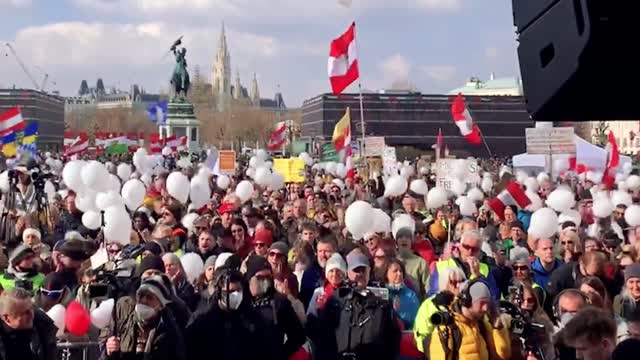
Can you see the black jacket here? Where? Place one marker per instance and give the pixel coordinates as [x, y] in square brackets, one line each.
[282, 322]
[224, 335]
[353, 322]
[187, 294]
[40, 342]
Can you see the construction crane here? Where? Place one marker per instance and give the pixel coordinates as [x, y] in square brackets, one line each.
[26, 71]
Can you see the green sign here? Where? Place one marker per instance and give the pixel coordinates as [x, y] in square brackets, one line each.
[329, 153]
[299, 146]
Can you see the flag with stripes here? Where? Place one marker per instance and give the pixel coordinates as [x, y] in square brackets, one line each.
[9, 147]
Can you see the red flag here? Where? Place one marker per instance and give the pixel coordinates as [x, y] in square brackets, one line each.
[464, 121]
[278, 137]
[613, 160]
[155, 144]
[79, 146]
[10, 121]
[343, 61]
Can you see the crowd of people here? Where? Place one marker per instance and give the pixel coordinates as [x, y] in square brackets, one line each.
[285, 274]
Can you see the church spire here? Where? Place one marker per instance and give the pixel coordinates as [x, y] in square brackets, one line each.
[255, 92]
[221, 73]
[237, 89]
[222, 47]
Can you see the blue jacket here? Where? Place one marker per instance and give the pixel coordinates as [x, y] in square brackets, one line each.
[525, 218]
[540, 275]
[312, 278]
[408, 304]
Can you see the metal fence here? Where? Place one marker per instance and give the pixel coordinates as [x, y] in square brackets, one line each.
[89, 350]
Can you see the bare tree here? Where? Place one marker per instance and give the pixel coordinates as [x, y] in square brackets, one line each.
[601, 133]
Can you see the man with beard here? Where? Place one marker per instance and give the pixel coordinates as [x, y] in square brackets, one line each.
[284, 331]
[144, 327]
[313, 276]
[71, 253]
[22, 271]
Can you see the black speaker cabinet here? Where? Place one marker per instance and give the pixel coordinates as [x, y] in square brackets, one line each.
[579, 59]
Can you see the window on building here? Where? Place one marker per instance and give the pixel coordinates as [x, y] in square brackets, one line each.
[194, 134]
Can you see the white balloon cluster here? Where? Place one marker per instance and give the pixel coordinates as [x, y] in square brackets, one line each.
[333, 168]
[101, 316]
[396, 186]
[193, 266]
[358, 219]
[262, 173]
[308, 160]
[544, 223]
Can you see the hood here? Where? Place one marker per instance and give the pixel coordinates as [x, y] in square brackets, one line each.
[537, 266]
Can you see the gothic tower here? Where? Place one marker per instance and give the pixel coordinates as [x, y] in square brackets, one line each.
[255, 92]
[237, 88]
[221, 74]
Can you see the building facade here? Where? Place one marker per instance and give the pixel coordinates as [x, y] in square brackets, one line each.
[506, 86]
[413, 119]
[228, 91]
[627, 135]
[45, 109]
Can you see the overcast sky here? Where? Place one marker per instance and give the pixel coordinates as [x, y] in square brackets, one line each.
[435, 44]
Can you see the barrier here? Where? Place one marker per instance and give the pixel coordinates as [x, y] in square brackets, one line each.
[66, 350]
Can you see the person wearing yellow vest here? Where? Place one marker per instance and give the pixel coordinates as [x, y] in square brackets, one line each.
[22, 271]
[467, 261]
[449, 283]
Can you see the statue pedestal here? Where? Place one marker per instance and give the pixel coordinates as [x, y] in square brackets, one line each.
[182, 121]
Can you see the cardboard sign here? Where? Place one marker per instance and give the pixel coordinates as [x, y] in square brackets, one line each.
[227, 161]
[445, 172]
[374, 145]
[548, 141]
[291, 169]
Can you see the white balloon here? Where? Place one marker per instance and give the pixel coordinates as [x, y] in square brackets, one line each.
[71, 175]
[602, 206]
[244, 190]
[395, 186]
[570, 215]
[633, 182]
[5, 185]
[140, 159]
[486, 184]
[627, 168]
[263, 176]
[467, 207]
[205, 172]
[86, 201]
[193, 266]
[49, 189]
[133, 192]
[117, 225]
[93, 175]
[407, 171]
[402, 221]
[331, 168]
[105, 200]
[436, 198]
[621, 197]
[381, 221]
[91, 220]
[57, 313]
[251, 172]
[531, 184]
[255, 162]
[188, 220]
[146, 179]
[199, 193]
[166, 151]
[113, 183]
[223, 182]
[475, 194]
[358, 218]
[178, 186]
[124, 171]
[561, 199]
[419, 186]
[262, 155]
[632, 215]
[268, 164]
[341, 170]
[458, 187]
[306, 158]
[277, 181]
[544, 223]
[101, 316]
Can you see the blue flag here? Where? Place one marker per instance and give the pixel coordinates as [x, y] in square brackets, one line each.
[158, 112]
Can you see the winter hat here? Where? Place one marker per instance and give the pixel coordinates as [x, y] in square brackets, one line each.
[155, 286]
[20, 253]
[263, 236]
[152, 247]
[31, 231]
[211, 261]
[335, 262]
[356, 260]
[148, 263]
[479, 290]
[632, 271]
[280, 247]
[221, 260]
[404, 232]
[256, 264]
[74, 248]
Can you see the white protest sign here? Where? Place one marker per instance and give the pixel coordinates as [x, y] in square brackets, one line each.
[548, 141]
[445, 172]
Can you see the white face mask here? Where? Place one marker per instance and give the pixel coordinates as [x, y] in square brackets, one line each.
[235, 299]
[145, 312]
[565, 318]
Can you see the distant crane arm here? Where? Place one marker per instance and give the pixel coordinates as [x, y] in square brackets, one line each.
[24, 68]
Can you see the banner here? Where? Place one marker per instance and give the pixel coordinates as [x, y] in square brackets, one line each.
[291, 169]
[445, 172]
[329, 153]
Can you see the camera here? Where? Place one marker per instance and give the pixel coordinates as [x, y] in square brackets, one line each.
[39, 178]
[442, 318]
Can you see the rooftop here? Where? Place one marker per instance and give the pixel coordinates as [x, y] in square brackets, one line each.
[494, 86]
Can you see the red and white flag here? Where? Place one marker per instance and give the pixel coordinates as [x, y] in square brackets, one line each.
[278, 137]
[155, 144]
[79, 145]
[613, 160]
[464, 121]
[343, 61]
[513, 194]
[175, 142]
[10, 121]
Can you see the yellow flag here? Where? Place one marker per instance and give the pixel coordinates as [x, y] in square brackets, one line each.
[342, 132]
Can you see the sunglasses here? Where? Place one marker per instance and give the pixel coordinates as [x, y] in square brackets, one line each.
[520, 268]
[55, 294]
[260, 245]
[113, 251]
[470, 248]
[569, 242]
[276, 254]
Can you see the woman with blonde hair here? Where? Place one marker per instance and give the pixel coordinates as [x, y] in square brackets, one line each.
[177, 275]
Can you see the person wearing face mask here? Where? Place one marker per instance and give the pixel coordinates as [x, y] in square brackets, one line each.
[143, 327]
[229, 328]
[284, 331]
[404, 300]
[22, 271]
[417, 269]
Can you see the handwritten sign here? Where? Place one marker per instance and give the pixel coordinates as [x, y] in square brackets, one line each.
[445, 170]
[548, 141]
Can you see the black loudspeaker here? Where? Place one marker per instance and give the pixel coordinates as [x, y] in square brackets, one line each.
[578, 58]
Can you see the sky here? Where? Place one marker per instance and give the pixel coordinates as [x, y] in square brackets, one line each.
[436, 45]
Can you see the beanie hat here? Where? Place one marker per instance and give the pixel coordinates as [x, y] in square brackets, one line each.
[20, 253]
[479, 290]
[256, 264]
[335, 262]
[155, 286]
[280, 247]
[632, 271]
[74, 249]
[211, 261]
[263, 236]
[148, 263]
[31, 231]
[152, 247]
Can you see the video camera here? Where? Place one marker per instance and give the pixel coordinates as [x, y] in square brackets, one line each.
[521, 324]
[116, 282]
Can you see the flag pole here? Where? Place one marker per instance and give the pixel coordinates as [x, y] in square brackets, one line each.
[484, 141]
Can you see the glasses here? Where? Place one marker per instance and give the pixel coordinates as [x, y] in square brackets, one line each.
[470, 248]
[276, 254]
[568, 242]
[260, 245]
[55, 294]
[113, 251]
[454, 282]
[520, 268]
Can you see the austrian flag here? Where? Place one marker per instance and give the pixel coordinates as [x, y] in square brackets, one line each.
[10, 121]
[343, 61]
[278, 137]
[462, 117]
